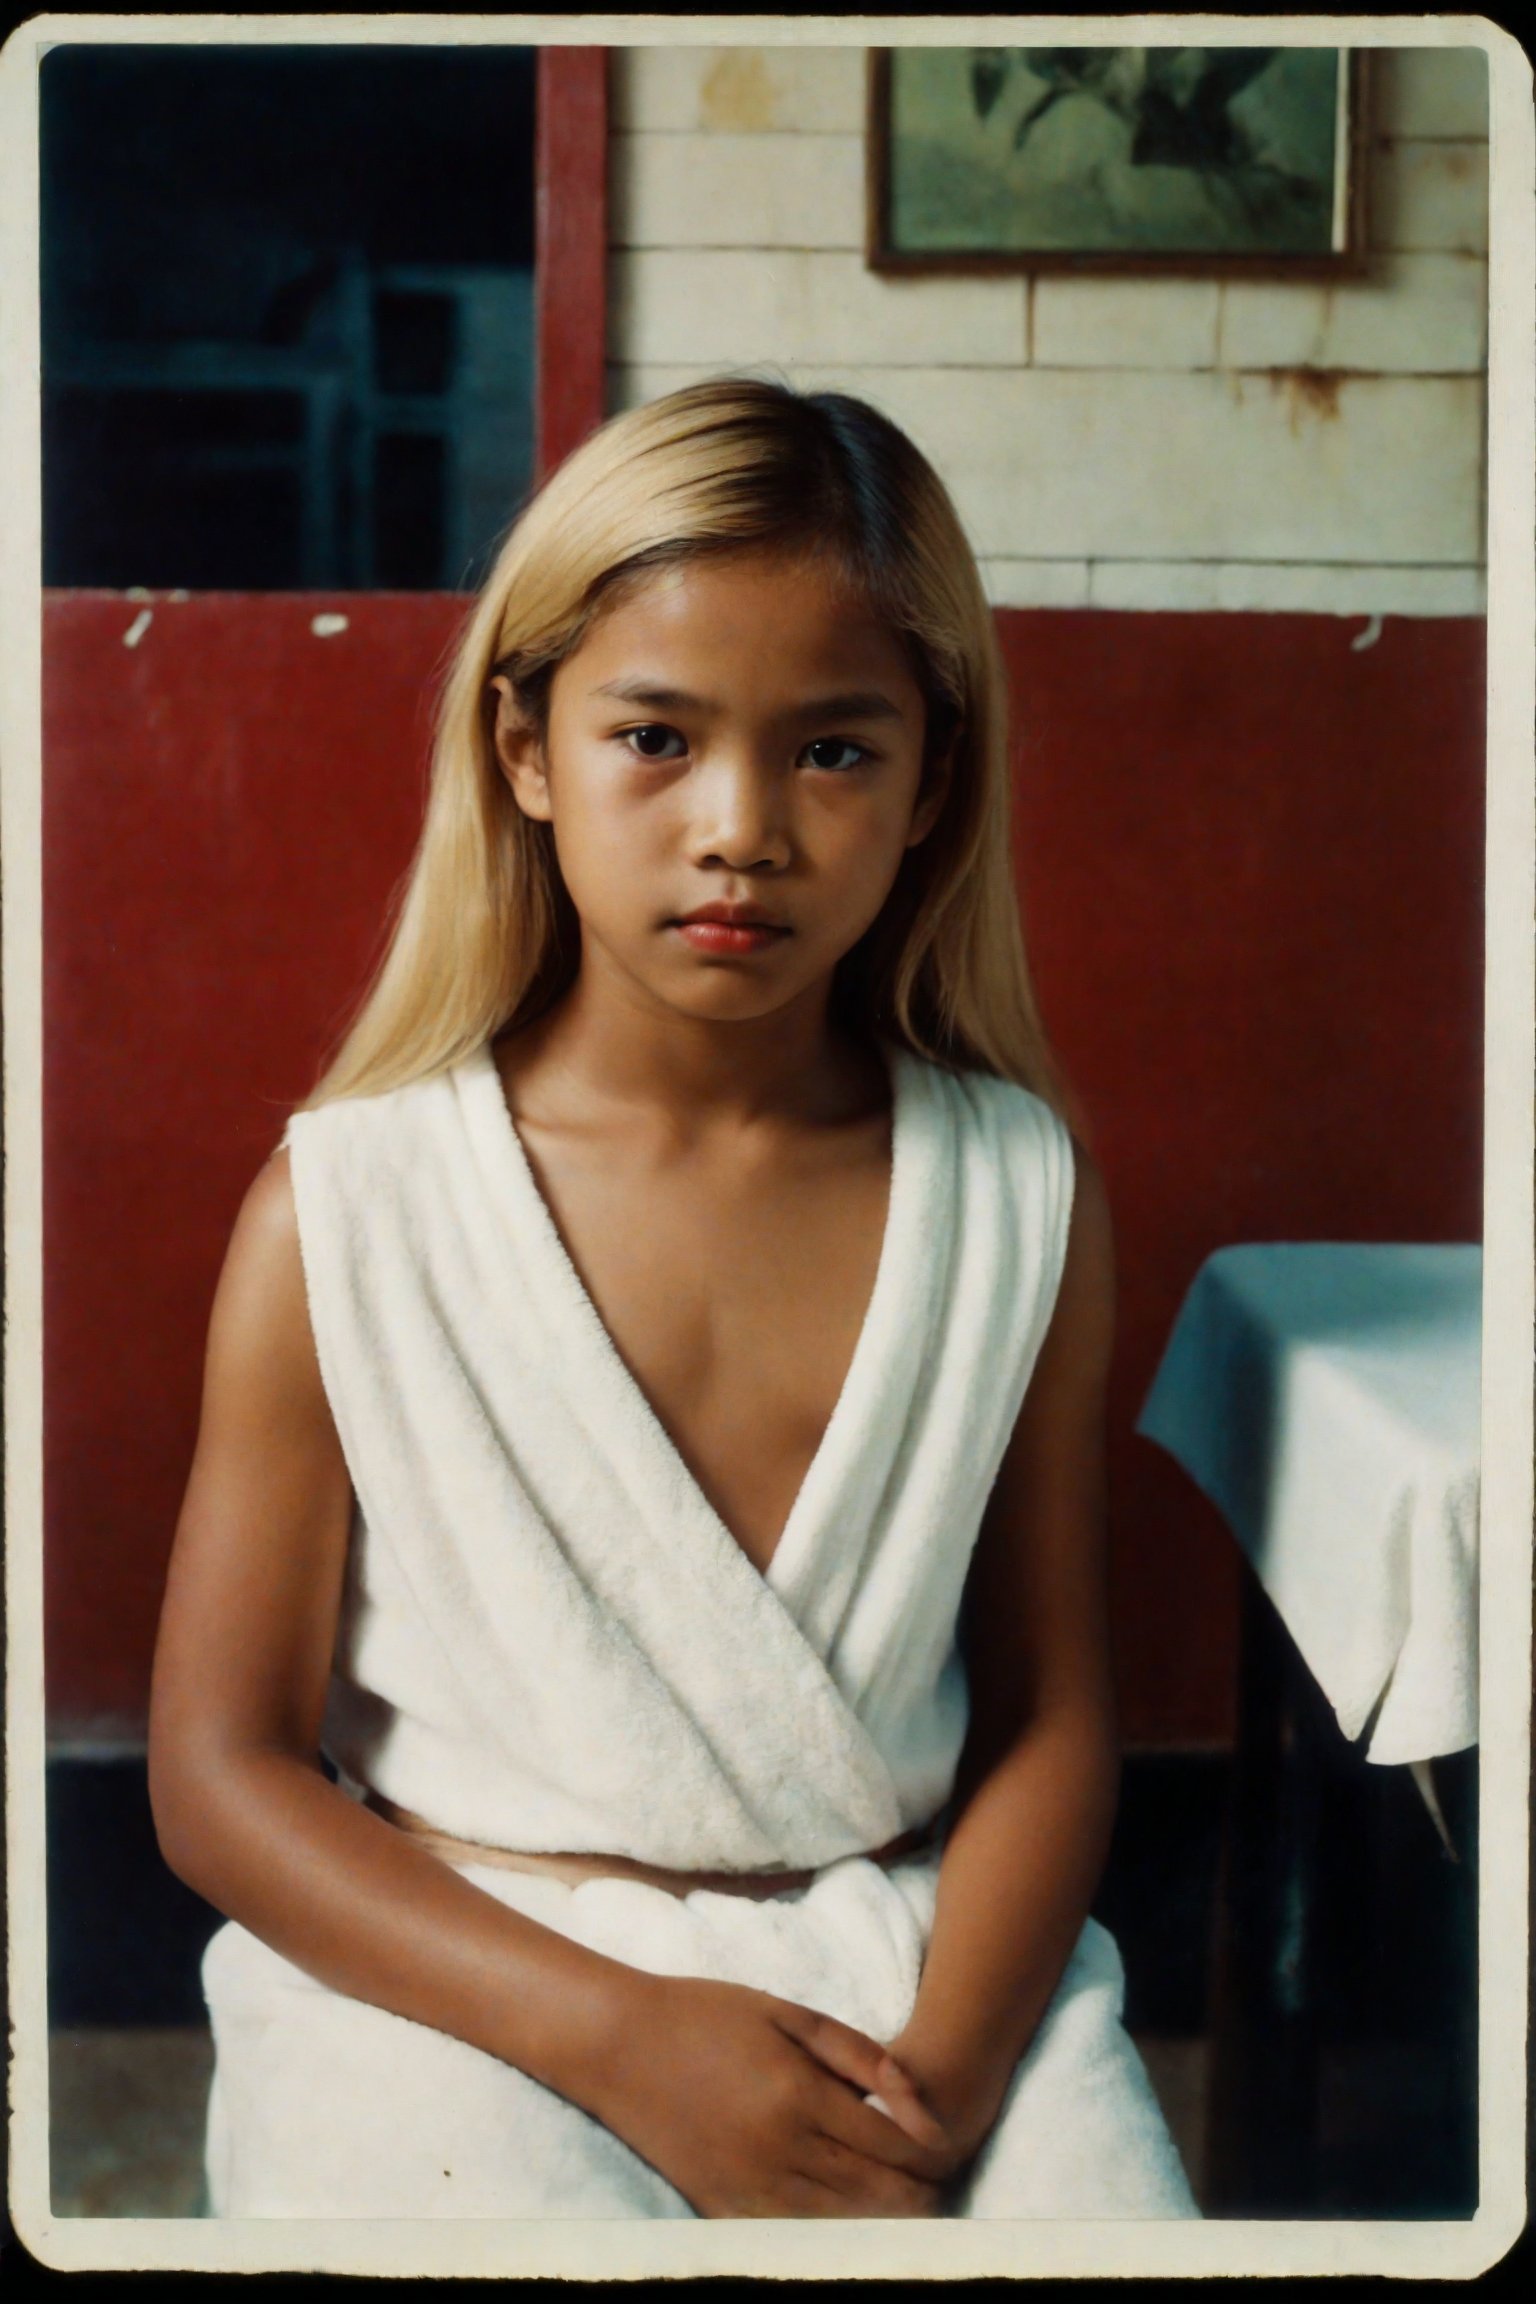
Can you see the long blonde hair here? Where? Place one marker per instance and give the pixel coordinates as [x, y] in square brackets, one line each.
[484, 934]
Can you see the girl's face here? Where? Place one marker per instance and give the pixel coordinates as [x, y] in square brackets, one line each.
[733, 768]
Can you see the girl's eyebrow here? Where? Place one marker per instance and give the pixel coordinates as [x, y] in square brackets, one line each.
[652, 697]
[854, 704]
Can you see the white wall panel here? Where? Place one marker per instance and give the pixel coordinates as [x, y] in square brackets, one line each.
[1429, 91]
[1351, 591]
[1036, 583]
[1428, 194]
[1069, 464]
[688, 191]
[1159, 584]
[1414, 314]
[742, 90]
[1103, 323]
[785, 304]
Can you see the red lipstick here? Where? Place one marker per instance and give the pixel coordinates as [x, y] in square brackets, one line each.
[729, 930]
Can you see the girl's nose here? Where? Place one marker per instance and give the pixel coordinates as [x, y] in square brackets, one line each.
[739, 823]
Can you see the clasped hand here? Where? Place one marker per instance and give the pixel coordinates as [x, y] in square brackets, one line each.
[754, 2106]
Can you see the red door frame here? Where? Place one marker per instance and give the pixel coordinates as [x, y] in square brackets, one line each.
[570, 249]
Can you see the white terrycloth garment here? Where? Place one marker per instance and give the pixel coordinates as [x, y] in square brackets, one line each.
[550, 1641]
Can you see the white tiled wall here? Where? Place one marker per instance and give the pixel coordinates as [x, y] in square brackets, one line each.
[1135, 443]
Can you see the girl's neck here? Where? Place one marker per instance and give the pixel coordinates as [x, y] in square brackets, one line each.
[603, 1047]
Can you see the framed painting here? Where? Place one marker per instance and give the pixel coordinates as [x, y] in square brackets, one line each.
[1211, 160]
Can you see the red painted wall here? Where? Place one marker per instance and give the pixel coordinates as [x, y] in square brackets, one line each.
[1251, 862]
[226, 807]
[1251, 865]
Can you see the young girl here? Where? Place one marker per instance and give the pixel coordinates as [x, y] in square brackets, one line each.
[651, 1432]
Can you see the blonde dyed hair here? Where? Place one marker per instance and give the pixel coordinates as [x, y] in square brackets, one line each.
[484, 936]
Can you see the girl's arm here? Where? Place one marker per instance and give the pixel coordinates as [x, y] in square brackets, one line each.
[732, 2094]
[1036, 1789]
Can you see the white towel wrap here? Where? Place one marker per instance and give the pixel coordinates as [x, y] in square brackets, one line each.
[549, 1641]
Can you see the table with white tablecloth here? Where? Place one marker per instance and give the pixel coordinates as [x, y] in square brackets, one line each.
[1325, 1396]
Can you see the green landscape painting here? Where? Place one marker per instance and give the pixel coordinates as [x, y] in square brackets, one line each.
[1114, 151]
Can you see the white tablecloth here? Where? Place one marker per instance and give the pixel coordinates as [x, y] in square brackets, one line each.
[1326, 1398]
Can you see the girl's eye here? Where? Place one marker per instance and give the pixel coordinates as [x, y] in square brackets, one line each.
[655, 742]
[834, 751]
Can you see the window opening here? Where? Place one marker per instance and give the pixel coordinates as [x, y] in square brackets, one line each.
[287, 314]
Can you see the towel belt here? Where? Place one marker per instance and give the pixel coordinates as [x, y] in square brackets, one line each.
[574, 1869]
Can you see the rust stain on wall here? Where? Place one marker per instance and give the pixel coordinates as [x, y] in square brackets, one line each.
[1308, 391]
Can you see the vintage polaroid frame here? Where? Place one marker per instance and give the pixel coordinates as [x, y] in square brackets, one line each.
[952, 132]
[947, 2250]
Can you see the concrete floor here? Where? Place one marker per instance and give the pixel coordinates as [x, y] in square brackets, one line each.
[126, 2116]
[126, 2121]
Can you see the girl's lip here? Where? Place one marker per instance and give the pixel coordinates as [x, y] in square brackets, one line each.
[733, 915]
[709, 932]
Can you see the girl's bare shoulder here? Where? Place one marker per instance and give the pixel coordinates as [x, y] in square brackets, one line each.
[260, 1331]
[1080, 1339]
[268, 1222]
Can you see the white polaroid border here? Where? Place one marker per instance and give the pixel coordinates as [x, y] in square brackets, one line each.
[951, 2249]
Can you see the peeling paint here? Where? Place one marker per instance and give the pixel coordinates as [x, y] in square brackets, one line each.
[138, 627]
[1369, 637]
[327, 627]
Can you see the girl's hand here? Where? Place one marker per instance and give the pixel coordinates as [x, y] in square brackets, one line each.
[754, 2106]
[961, 2105]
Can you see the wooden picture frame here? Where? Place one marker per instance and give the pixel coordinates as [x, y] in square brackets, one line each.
[1022, 96]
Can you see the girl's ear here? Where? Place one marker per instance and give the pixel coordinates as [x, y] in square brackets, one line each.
[520, 751]
[932, 792]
